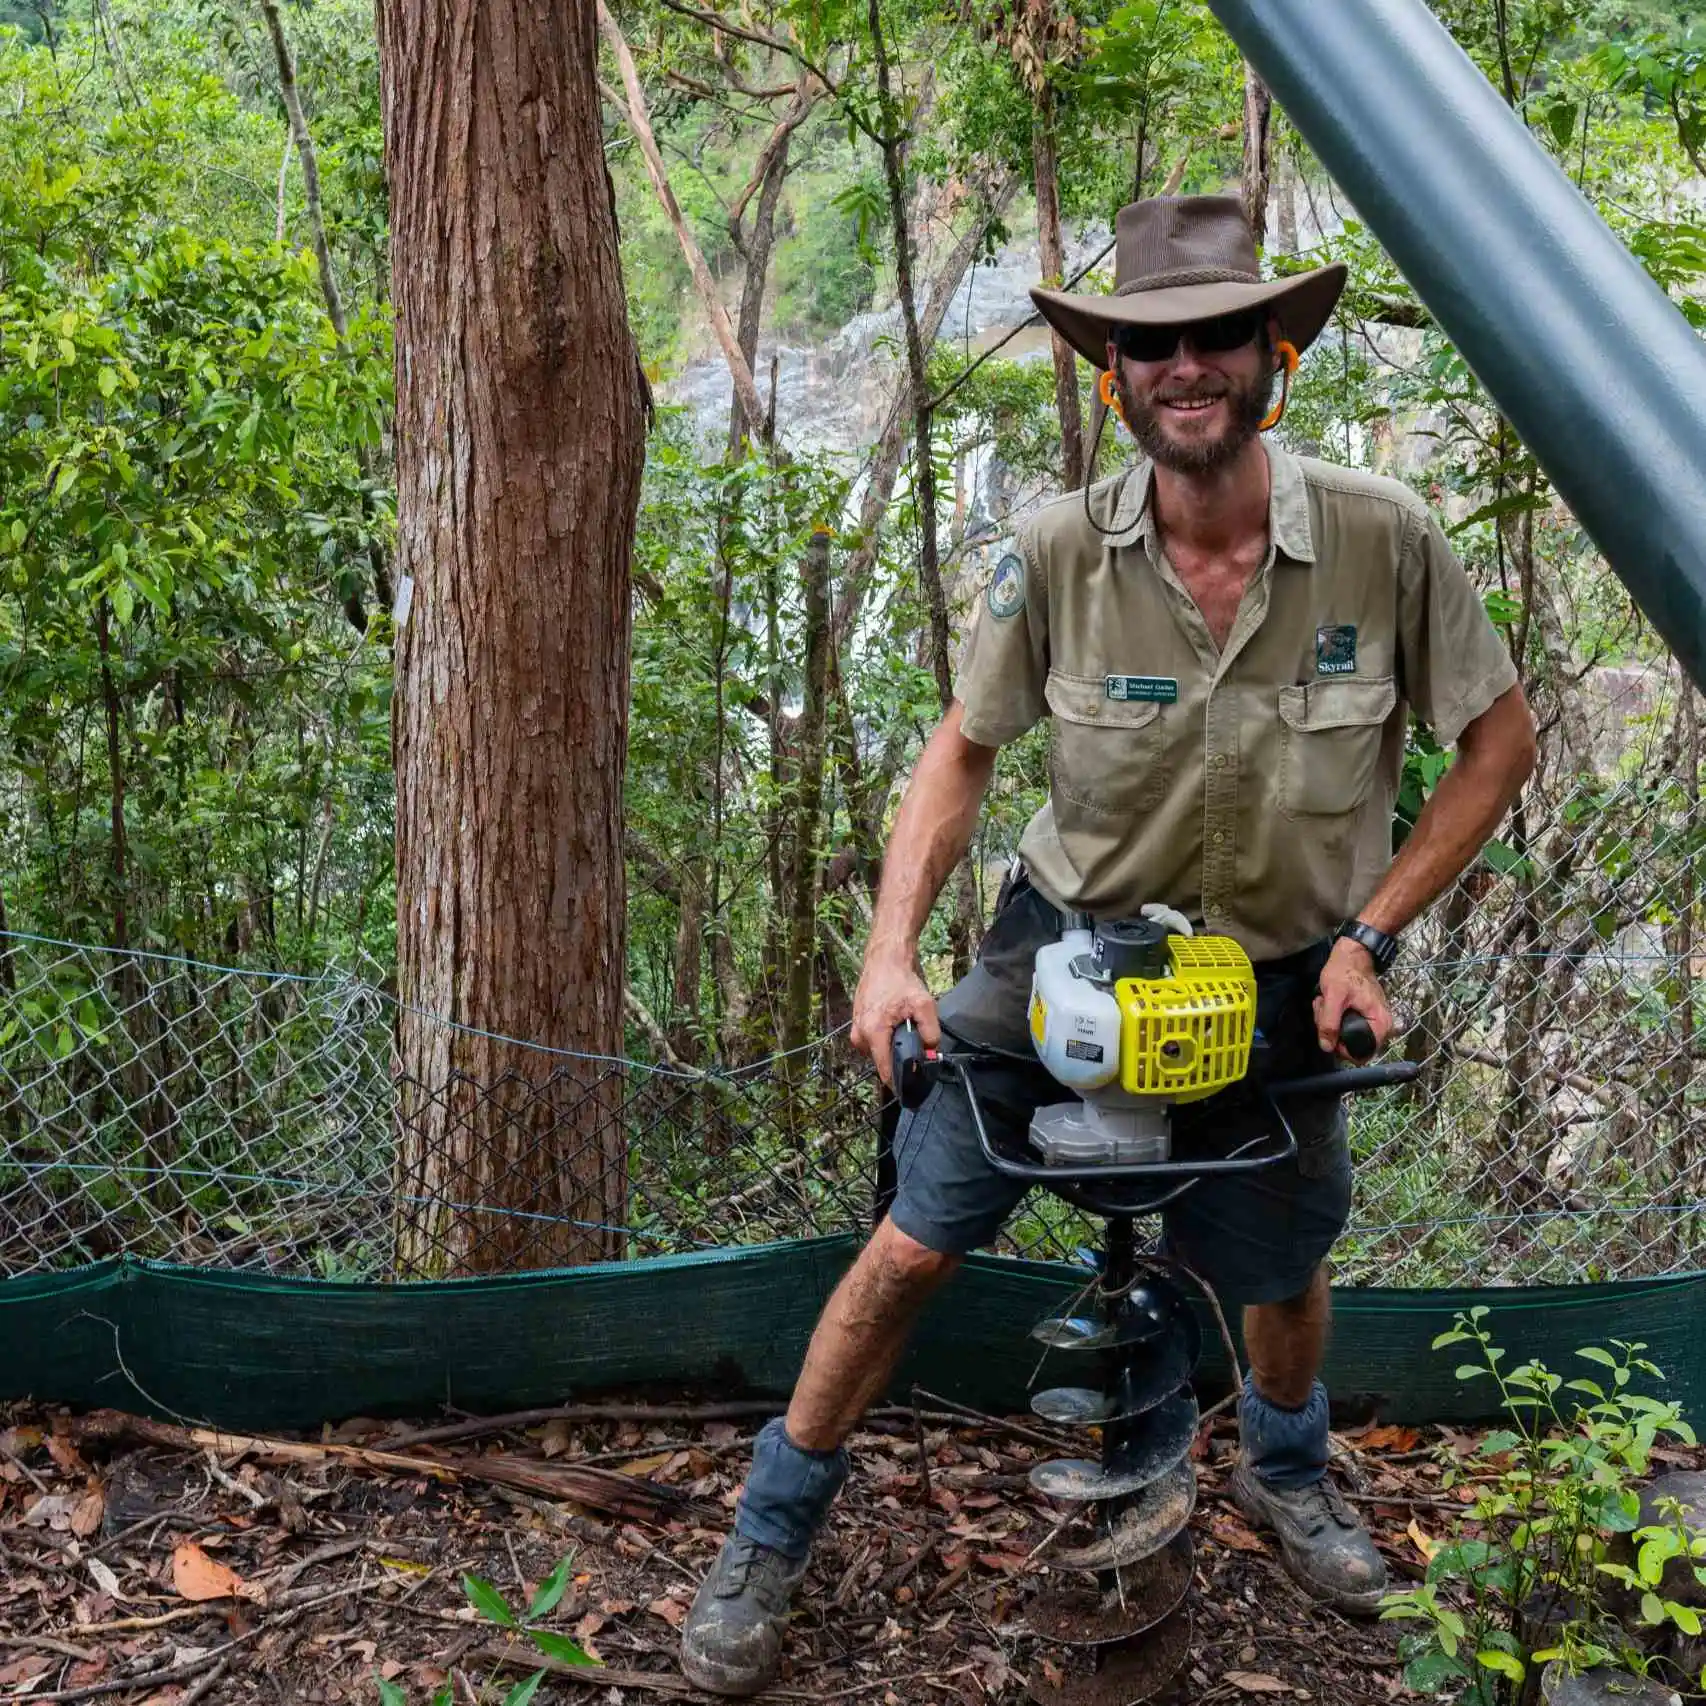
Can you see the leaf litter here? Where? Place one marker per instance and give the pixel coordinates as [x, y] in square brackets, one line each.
[244, 1568]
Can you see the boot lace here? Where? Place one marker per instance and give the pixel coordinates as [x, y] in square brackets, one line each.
[749, 1564]
[1319, 1505]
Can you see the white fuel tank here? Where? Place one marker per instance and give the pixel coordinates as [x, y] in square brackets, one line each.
[1075, 1023]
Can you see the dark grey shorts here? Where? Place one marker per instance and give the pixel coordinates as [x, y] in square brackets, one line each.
[1255, 1237]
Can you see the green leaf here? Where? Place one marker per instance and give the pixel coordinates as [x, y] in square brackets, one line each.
[551, 1590]
[1453, 1336]
[65, 479]
[124, 602]
[561, 1648]
[486, 1600]
[389, 1693]
[1504, 1663]
[524, 1691]
[106, 381]
[1592, 1353]
[1685, 1617]
[1652, 1608]
[1469, 1371]
[1561, 121]
[1429, 1673]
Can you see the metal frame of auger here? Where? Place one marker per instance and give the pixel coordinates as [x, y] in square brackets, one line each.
[1131, 1621]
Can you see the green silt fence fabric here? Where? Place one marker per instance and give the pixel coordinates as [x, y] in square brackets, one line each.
[243, 1351]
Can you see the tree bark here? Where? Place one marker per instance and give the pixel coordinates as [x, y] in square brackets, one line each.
[639, 121]
[520, 438]
[1066, 399]
[810, 740]
[1258, 114]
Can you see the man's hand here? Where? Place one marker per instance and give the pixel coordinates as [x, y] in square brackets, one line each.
[1348, 983]
[890, 991]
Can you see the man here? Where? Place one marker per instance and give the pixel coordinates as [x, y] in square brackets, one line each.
[1228, 640]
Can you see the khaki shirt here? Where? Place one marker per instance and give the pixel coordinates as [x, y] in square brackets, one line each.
[1252, 788]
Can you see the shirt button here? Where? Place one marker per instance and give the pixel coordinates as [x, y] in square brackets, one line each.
[1218, 837]
[1220, 761]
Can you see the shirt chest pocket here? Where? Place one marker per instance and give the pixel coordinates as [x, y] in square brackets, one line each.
[1106, 755]
[1330, 735]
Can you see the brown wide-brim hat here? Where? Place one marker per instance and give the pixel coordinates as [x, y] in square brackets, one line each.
[1184, 258]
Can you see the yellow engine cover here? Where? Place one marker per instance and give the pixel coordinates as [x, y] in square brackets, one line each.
[1186, 1036]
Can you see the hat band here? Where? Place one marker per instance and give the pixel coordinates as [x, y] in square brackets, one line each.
[1185, 276]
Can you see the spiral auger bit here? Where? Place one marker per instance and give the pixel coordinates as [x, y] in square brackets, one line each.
[1133, 1016]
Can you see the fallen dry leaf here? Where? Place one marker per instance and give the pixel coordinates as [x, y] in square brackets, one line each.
[86, 1514]
[30, 1668]
[1387, 1439]
[64, 1453]
[197, 1577]
[645, 1465]
[672, 1611]
[1424, 1543]
[51, 1510]
[1256, 1682]
[1234, 1535]
[555, 1438]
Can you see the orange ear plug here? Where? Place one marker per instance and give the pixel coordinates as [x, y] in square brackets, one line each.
[1288, 358]
[1110, 396]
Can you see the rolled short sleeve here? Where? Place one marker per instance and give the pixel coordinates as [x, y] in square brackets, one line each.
[1453, 662]
[1001, 677]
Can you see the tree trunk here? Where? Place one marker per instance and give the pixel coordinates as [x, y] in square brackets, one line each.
[632, 103]
[808, 801]
[891, 442]
[1288, 205]
[520, 438]
[1066, 401]
[303, 140]
[924, 462]
[767, 182]
[1258, 112]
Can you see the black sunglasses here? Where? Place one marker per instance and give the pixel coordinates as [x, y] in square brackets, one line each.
[1208, 337]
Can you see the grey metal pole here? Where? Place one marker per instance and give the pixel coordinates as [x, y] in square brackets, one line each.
[1589, 359]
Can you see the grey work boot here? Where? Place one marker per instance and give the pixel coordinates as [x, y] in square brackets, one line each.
[1324, 1547]
[732, 1639]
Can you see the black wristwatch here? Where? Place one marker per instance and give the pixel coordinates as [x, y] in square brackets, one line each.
[1383, 948]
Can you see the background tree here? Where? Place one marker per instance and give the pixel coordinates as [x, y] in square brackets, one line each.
[520, 440]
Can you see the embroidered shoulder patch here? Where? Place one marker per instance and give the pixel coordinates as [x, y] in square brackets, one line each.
[1336, 650]
[1006, 594]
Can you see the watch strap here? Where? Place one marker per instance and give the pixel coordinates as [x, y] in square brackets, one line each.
[1383, 949]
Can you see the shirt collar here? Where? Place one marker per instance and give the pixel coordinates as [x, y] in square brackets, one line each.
[1288, 507]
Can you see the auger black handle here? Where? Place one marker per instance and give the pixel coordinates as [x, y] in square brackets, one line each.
[1356, 1035]
[914, 1068]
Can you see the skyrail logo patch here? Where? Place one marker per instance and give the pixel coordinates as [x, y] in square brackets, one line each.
[1006, 595]
[1336, 650]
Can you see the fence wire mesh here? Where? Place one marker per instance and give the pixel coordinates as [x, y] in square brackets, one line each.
[233, 1118]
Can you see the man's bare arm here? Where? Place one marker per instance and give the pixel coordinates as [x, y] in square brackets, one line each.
[931, 833]
[1495, 755]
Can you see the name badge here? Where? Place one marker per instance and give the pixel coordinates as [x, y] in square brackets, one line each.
[1336, 650]
[1160, 688]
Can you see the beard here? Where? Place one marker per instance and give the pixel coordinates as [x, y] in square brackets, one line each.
[1247, 405]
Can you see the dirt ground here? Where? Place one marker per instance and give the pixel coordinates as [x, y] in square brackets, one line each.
[147, 1563]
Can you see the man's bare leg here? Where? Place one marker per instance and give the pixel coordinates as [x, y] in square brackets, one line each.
[1286, 1342]
[733, 1635]
[860, 1335]
[1280, 1481]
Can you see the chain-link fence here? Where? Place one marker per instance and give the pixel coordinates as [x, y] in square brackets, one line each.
[239, 1119]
